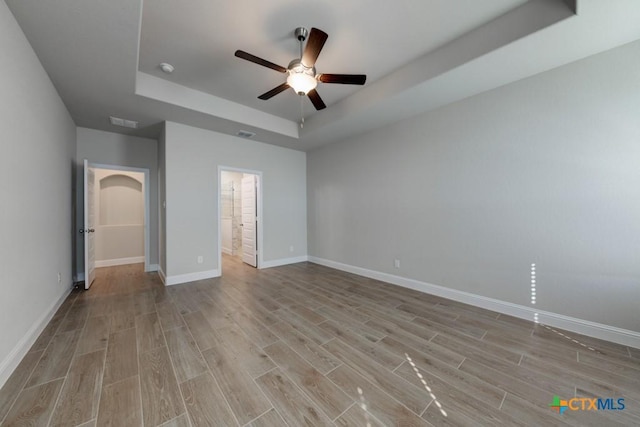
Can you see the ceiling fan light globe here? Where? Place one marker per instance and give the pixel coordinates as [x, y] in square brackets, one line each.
[301, 82]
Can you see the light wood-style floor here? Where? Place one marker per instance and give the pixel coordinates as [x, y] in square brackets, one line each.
[303, 345]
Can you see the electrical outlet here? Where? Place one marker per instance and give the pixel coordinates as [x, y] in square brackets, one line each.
[396, 263]
[200, 259]
[59, 277]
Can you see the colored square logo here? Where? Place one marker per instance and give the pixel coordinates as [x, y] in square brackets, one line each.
[559, 405]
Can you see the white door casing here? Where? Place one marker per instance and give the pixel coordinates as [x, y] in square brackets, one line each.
[249, 221]
[88, 230]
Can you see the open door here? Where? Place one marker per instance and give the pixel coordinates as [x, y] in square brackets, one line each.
[249, 221]
[88, 230]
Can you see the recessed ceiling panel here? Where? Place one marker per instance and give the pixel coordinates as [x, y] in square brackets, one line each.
[199, 39]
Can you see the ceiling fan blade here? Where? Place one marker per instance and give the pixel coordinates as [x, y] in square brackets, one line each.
[316, 100]
[345, 79]
[276, 90]
[314, 46]
[252, 58]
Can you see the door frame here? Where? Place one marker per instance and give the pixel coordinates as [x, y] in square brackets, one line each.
[147, 186]
[88, 237]
[258, 209]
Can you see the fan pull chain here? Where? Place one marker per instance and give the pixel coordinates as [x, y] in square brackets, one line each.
[301, 112]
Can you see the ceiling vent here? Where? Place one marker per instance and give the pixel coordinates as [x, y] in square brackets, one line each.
[245, 134]
[117, 121]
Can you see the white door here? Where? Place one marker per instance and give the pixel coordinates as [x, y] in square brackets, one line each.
[88, 230]
[249, 223]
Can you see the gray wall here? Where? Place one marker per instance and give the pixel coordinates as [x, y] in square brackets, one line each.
[116, 150]
[192, 159]
[545, 170]
[36, 169]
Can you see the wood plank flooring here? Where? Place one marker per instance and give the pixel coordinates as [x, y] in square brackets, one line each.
[303, 345]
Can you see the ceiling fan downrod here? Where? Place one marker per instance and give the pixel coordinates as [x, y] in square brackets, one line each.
[301, 34]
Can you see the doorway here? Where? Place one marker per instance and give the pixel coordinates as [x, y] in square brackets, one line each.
[239, 213]
[119, 222]
[117, 199]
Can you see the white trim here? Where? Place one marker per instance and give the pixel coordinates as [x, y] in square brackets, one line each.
[120, 261]
[163, 277]
[584, 327]
[190, 277]
[284, 261]
[258, 207]
[147, 205]
[227, 251]
[86, 203]
[13, 359]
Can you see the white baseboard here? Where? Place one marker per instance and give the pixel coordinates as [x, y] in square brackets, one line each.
[163, 277]
[152, 267]
[190, 277]
[119, 261]
[584, 327]
[283, 261]
[226, 251]
[16, 355]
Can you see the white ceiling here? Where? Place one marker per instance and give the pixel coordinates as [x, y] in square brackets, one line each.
[418, 55]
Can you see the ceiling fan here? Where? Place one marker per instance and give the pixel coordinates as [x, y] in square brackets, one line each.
[302, 76]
